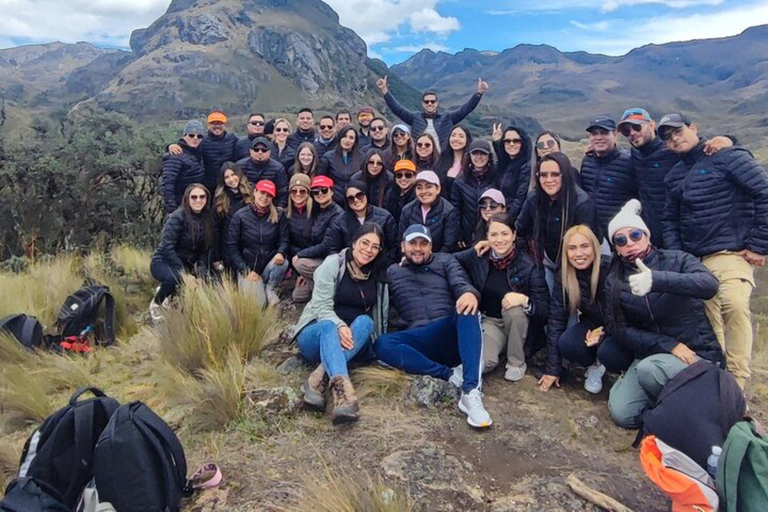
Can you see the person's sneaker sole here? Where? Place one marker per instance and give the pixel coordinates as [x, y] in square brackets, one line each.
[593, 390]
[469, 420]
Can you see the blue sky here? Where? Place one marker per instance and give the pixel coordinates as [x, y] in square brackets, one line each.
[396, 29]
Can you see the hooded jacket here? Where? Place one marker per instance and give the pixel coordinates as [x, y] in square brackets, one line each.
[465, 194]
[375, 187]
[270, 170]
[179, 172]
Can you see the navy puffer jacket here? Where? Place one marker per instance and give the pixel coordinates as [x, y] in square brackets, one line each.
[443, 122]
[465, 194]
[717, 203]
[424, 293]
[395, 200]
[252, 241]
[591, 313]
[296, 138]
[515, 172]
[651, 163]
[243, 147]
[340, 170]
[442, 221]
[339, 234]
[216, 151]
[673, 311]
[179, 248]
[286, 158]
[322, 220]
[179, 172]
[610, 183]
[270, 170]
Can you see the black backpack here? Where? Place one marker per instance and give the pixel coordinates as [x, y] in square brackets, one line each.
[695, 410]
[81, 309]
[27, 495]
[59, 454]
[139, 463]
[27, 329]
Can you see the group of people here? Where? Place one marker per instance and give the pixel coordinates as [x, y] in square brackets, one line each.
[639, 263]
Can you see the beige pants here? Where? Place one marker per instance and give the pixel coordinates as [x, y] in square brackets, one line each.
[507, 332]
[729, 312]
[306, 268]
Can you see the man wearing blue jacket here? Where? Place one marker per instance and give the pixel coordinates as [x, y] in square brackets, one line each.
[717, 210]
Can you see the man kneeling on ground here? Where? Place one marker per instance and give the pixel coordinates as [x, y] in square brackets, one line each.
[434, 297]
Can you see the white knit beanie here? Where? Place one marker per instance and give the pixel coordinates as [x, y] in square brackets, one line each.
[628, 217]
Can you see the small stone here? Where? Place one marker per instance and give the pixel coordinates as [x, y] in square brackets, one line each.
[430, 392]
[281, 401]
[291, 364]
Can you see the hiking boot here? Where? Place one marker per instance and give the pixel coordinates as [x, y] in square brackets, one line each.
[156, 311]
[344, 400]
[457, 377]
[471, 404]
[314, 388]
[515, 373]
[594, 378]
[272, 297]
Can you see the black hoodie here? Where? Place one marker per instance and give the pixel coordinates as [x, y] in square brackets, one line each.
[515, 172]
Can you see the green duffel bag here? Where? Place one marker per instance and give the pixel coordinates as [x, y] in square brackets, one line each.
[742, 470]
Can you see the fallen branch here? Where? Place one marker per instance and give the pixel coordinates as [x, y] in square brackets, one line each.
[595, 497]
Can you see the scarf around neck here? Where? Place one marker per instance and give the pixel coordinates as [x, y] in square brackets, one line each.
[502, 263]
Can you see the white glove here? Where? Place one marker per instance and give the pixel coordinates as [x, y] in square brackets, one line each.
[641, 283]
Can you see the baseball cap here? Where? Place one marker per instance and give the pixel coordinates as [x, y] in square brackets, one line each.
[635, 116]
[402, 128]
[217, 117]
[494, 195]
[405, 165]
[299, 179]
[480, 145]
[260, 141]
[675, 120]
[321, 181]
[267, 187]
[603, 121]
[429, 177]
[193, 127]
[417, 231]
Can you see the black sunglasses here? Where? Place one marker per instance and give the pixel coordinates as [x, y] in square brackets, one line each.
[260, 150]
[489, 205]
[398, 133]
[319, 191]
[279, 130]
[377, 163]
[549, 144]
[357, 197]
[667, 134]
[407, 175]
[195, 197]
[513, 141]
[377, 128]
[429, 102]
[423, 144]
[621, 240]
[326, 127]
[194, 135]
[625, 130]
[256, 123]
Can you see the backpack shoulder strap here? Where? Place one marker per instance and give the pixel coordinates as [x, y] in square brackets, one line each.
[28, 331]
[728, 471]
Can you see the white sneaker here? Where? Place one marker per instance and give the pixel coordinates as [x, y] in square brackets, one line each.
[457, 378]
[156, 311]
[471, 404]
[515, 373]
[594, 378]
[272, 296]
[168, 302]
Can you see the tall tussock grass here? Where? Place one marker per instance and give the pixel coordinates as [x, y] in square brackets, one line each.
[379, 381]
[9, 463]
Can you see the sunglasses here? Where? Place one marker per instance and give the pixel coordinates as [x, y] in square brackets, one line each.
[621, 240]
[260, 150]
[547, 175]
[357, 197]
[398, 133]
[404, 175]
[513, 141]
[256, 123]
[489, 205]
[429, 102]
[669, 133]
[377, 128]
[377, 163]
[423, 144]
[196, 197]
[279, 130]
[326, 127]
[626, 130]
[320, 191]
[298, 192]
[549, 144]
[194, 135]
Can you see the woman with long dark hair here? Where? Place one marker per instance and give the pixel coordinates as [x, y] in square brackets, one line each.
[342, 162]
[427, 152]
[348, 309]
[401, 147]
[376, 178]
[490, 203]
[233, 191]
[451, 157]
[306, 161]
[187, 244]
[547, 142]
[514, 151]
[554, 205]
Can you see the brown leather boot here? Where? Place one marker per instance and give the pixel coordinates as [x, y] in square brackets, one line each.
[315, 387]
[344, 400]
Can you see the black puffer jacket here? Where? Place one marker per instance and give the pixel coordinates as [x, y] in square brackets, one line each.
[515, 172]
[651, 163]
[523, 276]
[550, 237]
[365, 148]
[235, 203]
[609, 181]
[443, 122]
[243, 146]
[591, 313]
[296, 138]
[180, 249]
[271, 170]
[376, 188]
[424, 293]
[673, 311]
[216, 151]
[322, 220]
[465, 194]
[179, 172]
[286, 158]
[442, 221]
[340, 170]
[339, 234]
[323, 147]
[717, 203]
[394, 201]
[253, 241]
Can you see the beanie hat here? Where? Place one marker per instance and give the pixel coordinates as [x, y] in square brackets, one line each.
[193, 127]
[299, 180]
[628, 217]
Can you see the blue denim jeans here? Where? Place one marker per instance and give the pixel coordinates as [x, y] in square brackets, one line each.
[320, 343]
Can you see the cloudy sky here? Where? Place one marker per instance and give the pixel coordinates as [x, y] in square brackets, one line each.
[395, 29]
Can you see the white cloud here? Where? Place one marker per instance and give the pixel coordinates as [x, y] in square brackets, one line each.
[598, 26]
[429, 20]
[600, 5]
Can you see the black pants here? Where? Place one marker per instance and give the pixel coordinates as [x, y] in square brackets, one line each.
[615, 357]
[169, 278]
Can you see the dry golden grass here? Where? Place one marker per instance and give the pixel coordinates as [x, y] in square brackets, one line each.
[377, 381]
[11, 351]
[133, 262]
[24, 394]
[9, 463]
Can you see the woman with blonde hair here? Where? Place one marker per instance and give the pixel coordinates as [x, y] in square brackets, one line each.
[579, 292]
[281, 151]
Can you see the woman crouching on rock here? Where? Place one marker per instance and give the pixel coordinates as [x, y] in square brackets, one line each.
[348, 308]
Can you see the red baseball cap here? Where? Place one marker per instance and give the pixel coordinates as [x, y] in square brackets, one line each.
[267, 187]
[321, 181]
